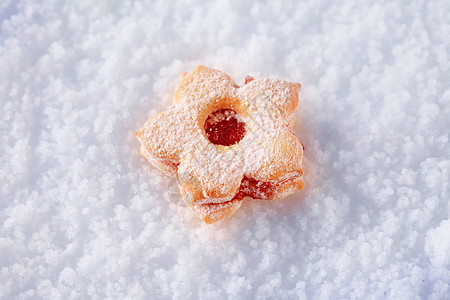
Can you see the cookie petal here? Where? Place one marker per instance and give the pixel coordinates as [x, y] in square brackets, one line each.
[274, 155]
[213, 212]
[164, 135]
[204, 85]
[275, 99]
[209, 175]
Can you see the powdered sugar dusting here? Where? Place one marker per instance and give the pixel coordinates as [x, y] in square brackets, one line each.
[84, 216]
[208, 173]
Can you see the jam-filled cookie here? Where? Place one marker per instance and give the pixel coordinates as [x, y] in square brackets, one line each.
[225, 142]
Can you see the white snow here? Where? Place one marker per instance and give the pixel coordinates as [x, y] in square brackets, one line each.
[437, 245]
[82, 215]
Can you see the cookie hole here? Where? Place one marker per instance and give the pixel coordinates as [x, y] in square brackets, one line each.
[224, 127]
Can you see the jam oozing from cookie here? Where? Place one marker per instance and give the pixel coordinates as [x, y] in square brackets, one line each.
[224, 127]
[256, 189]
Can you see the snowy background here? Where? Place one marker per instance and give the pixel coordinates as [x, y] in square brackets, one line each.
[83, 216]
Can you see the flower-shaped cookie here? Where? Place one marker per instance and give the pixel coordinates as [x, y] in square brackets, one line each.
[225, 142]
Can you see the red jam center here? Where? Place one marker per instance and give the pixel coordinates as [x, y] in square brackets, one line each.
[224, 127]
[256, 189]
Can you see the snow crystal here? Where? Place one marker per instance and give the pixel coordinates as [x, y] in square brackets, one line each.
[83, 216]
[437, 244]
